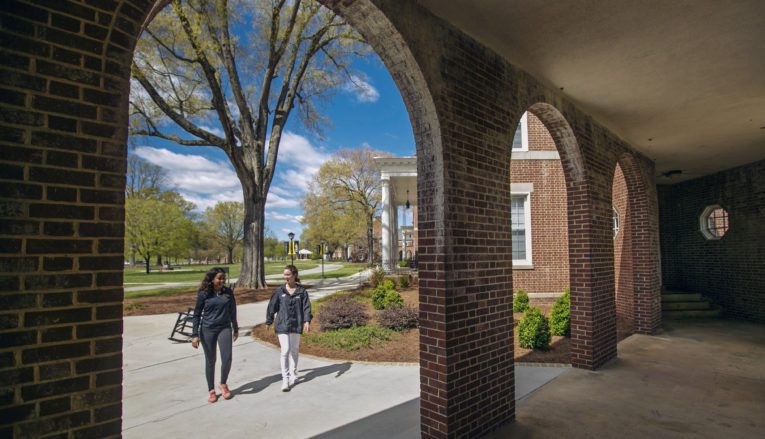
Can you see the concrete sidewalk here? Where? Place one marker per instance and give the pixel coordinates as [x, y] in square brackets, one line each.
[165, 393]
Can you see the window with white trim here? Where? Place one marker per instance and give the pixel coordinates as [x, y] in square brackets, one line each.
[714, 222]
[520, 215]
[521, 138]
[615, 222]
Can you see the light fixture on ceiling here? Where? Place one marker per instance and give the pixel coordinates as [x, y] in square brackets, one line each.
[408, 204]
[671, 173]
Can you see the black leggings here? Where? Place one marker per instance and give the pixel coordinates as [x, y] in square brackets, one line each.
[209, 337]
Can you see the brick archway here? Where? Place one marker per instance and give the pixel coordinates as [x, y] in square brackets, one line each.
[641, 237]
[63, 116]
[584, 354]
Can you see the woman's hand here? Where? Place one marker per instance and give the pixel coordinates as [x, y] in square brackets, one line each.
[195, 342]
[236, 335]
[307, 327]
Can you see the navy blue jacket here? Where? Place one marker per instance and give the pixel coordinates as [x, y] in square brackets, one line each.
[291, 310]
[216, 312]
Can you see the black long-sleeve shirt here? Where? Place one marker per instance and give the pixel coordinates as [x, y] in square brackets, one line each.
[218, 311]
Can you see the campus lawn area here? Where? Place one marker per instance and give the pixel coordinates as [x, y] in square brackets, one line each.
[191, 273]
[163, 299]
[348, 269]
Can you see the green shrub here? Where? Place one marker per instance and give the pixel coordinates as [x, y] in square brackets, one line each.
[534, 330]
[377, 277]
[341, 312]
[351, 339]
[398, 318]
[403, 263]
[383, 299]
[385, 296]
[403, 281]
[520, 301]
[560, 317]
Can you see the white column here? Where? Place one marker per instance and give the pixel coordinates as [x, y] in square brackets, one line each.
[394, 233]
[386, 223]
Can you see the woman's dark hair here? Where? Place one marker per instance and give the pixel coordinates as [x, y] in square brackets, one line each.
[294, 271]
[207, 285]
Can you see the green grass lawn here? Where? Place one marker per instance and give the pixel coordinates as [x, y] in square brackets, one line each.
[348, 269]
[191, 273]
[166, 291]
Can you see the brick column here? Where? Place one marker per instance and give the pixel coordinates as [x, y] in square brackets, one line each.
[63, 94]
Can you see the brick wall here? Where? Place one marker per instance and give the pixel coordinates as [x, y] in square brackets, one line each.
[730, 271]
[62, 177]
[549, 229]
[623, 273]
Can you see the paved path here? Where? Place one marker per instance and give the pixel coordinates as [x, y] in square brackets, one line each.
[153, 286]
[164, 389]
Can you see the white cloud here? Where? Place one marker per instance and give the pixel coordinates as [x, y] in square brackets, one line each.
[275, 201]
[283, 217]
[213, 130]
[194, 174]
[295, 151]
[362, 90]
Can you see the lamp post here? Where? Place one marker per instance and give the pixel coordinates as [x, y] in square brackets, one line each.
[291, 248]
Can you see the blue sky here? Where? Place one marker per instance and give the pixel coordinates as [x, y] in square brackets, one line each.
[369, 113]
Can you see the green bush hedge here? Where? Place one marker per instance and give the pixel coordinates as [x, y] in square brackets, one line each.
[404, 281]
[398, 318]
[534, 330]
[385, 295]
[520, 301]
[341, 312]
[560, 317]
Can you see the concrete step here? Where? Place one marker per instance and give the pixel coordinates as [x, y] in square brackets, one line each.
[679, 306]
[680, 297]
[690, 314]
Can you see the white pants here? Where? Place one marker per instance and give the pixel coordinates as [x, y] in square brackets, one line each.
[290, 344]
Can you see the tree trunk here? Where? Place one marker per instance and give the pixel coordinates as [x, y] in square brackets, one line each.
[253, 274]
[230, 255]
[370, 238]
[148, 264]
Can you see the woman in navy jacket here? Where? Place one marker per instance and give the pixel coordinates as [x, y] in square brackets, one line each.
[215, 323]
[292, 307]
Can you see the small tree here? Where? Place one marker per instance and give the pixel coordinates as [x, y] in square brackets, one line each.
[226, 223]
[154, 228]
[534, 330]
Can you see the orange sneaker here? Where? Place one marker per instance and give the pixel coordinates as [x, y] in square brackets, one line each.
[212, 397]
[225, 393]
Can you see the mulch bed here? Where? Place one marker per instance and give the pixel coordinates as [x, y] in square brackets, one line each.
[405, 349]
[185, 300]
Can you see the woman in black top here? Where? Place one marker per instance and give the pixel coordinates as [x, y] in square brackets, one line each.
[292, 307]
[215, 323]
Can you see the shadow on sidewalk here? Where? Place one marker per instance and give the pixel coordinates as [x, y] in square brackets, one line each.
[309, 374]
[337, 369]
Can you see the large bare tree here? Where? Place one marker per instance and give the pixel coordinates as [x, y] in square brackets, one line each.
[229, 74]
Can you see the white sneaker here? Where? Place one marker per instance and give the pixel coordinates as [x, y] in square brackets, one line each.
[285, 385]
[292, 380]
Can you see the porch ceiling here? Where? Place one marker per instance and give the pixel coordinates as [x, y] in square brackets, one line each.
[682, 81]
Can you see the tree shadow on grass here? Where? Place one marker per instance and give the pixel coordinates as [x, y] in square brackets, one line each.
[259, 385]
